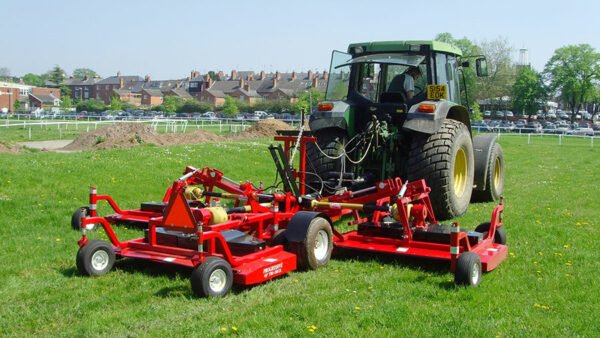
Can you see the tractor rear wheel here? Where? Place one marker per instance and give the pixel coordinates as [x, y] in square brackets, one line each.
[445, 160]
[468, 270]
[494, 181]
[95, 258]
[212, 278]
[326, 159]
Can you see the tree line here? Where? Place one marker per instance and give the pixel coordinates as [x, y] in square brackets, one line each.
[570, 77]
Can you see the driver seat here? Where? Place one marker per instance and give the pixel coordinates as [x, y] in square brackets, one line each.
[395, 92]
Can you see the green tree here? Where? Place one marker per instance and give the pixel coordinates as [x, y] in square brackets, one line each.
[304, 101]
[56, 76]
[571, 73]
[194, 106]
[502, 71]
[528, 91]
[33, 80]
[476, 112]
[115, 104]
[170, 104]
[65, 90]
[230, 108]
[17, 105]
[81, 73]
[91, 105]
[468, 79]
[5, 74]
[66, 103]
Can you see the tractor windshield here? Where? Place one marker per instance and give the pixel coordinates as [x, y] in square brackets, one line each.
[339, 77]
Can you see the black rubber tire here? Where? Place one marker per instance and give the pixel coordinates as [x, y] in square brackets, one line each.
[202, 274]
[433, 158]
[494, 181]
[95, 258]
[305, 251]
[499, 236]
[468, 270]
[331, 141]
[278, 238]
[76, 218]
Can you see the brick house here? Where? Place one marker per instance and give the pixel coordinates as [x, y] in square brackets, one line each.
[105, 88]
[43, 101]
[82, 89]
[151, 97]
[11, 92]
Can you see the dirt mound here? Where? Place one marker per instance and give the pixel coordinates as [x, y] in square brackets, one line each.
[264, 128]
[194, 137]
[116, 136]
[125, 135]
[6, 149]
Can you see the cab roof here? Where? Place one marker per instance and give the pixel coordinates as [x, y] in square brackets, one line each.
[404, 46]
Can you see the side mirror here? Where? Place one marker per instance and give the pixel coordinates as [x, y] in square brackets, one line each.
[481, 67]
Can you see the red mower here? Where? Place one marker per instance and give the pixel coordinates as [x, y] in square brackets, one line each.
[265, 235]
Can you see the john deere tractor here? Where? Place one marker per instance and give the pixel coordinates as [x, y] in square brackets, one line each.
[370, 127]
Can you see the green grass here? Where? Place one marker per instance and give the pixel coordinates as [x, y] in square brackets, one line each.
[547, 287]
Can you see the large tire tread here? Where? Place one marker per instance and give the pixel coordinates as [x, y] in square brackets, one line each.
[431, 159]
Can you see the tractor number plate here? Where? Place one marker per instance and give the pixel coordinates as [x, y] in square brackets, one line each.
[437, 92]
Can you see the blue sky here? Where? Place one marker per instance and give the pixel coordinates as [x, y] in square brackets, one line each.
[168, 39]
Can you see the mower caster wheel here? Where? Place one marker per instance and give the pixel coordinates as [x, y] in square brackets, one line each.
[315, 250]
[76, 218]
[212, 278]
[499, 235]
[468, 270]
[95, 258]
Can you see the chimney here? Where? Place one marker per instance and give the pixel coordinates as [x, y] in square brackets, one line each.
[275, 82]
[121, 82]
[147, 78]
[277, 75]
[221, 75]
[119, 73]
[325, 75]
[242, 83]
[233, 75]
[247, 87]
[251, 77]
[293, 76]
[262, 75]
[310, 75]
[315, 82]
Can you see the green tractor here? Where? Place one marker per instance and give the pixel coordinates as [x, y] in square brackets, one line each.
[376, 124]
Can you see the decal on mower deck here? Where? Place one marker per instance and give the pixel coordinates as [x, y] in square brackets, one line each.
[272, 270]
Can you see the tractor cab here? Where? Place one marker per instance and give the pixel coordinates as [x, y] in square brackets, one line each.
[373, 76]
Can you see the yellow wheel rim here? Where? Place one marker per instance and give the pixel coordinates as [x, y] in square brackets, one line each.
[497, 172]
[460, 172]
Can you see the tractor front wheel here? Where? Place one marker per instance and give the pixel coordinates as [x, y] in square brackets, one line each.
[445, 160]
[95, 258]
[212, 278]
[76, 218]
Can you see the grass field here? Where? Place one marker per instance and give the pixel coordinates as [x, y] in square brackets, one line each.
[547, 287]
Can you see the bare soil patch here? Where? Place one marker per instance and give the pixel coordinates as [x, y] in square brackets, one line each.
[6, 149]
[127, 135]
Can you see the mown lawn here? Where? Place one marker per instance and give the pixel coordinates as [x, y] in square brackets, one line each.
[547, 287]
